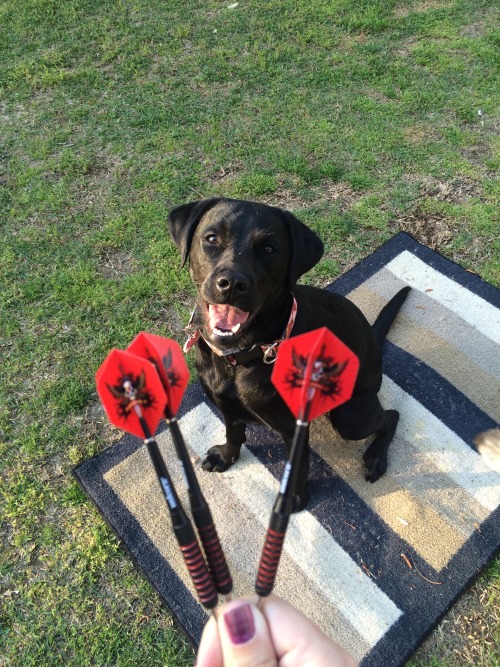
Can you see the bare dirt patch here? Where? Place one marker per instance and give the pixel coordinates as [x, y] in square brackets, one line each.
[430, 229]
[419, 133]
[176, 317]
[115, 264]
[95, 422]
[478, 155]
[93, 191]
[433, 228]
[456, 191]
[225, 172]
[338, 192]
[474, 29]
[287, 199]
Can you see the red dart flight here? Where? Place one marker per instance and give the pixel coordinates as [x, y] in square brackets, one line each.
[130, 388]
[315, 369]
[167, 356]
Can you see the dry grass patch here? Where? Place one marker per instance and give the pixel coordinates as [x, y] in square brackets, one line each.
[115, 264]
[422, 7]
[469, 633]
[419, 133]
[328, 192]
[431, 229]
[455, 191]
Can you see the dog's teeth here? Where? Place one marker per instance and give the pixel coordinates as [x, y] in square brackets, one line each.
[222, 332]
[226, 332]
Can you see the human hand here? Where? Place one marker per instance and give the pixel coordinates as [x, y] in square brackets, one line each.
[273, 635]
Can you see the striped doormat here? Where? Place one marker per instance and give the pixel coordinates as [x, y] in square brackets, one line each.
[375, 565]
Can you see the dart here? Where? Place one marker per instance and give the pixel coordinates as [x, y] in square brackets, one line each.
[314, 373]
[134, 398]
[167, 357]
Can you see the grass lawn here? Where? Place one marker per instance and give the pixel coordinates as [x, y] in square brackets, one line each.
[363, 118]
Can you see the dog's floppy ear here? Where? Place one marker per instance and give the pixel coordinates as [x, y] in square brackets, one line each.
[182, 223]
[306, 247]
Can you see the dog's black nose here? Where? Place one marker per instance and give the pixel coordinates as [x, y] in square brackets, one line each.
[230, 281]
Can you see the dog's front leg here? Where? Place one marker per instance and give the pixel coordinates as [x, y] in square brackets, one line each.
[220, 457]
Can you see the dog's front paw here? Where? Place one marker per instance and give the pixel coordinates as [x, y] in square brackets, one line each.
[375, 462]
[219, 458]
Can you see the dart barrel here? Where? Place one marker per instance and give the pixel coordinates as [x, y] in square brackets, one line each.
[271, 554]
[215, 558]
[202, 581]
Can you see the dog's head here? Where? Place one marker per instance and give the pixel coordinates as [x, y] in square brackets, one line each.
[245, 258]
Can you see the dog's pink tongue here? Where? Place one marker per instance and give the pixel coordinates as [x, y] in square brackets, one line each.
[226, 318]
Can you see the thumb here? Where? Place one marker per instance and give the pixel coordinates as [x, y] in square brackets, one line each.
[244, 636]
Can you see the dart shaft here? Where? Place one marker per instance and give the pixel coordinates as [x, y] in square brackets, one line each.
[283, 508]
[195, 494]
[202, 516]
[293, 467]
[183, 530]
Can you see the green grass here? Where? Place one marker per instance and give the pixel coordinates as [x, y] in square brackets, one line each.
[361, 117]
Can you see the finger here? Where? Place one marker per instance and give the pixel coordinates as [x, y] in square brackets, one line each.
[244, 636]
[297, 640]
[209, 651]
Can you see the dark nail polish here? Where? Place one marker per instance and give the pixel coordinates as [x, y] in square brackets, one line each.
[240, 625]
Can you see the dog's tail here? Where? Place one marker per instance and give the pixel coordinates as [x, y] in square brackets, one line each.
[388, 313]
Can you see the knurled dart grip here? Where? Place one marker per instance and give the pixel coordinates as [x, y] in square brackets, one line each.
[269, 561]
[216, 559]
[200, 576]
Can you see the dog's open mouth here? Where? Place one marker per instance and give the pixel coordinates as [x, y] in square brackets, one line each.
[225, 320]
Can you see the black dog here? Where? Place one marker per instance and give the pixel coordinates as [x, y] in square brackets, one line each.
[245, 260]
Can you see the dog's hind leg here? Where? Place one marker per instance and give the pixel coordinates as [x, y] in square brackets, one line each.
[220, 457]
[362, 417]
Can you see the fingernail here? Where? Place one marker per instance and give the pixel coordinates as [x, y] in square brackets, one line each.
[240, 625]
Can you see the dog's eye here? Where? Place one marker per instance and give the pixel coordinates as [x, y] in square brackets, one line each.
[211, 239]
[268, 249]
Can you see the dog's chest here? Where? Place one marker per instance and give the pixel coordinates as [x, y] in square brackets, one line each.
[238, 389]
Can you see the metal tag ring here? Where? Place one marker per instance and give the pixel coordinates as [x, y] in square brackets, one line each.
[271, 354]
